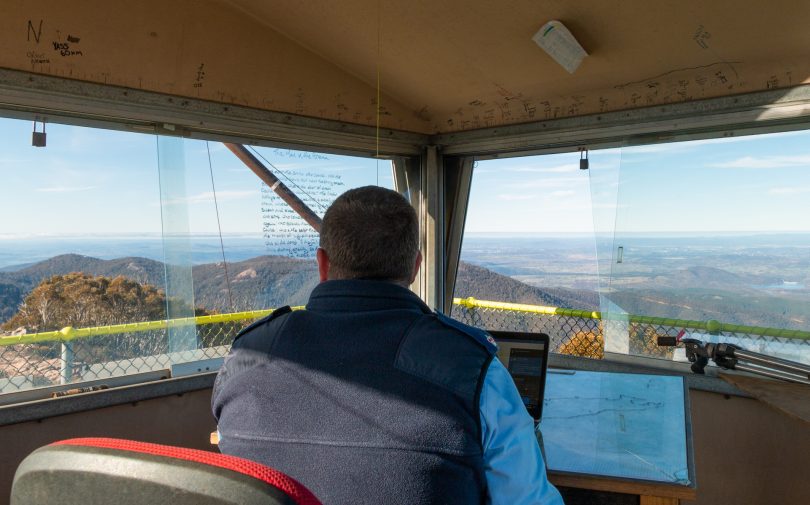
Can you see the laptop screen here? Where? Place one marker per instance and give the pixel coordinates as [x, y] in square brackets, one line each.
[525, 356]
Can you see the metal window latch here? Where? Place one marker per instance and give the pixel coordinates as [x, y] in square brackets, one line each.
[38, 139]
[583, 158]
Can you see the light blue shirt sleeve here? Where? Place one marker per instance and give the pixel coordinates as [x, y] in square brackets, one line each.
[513, 465]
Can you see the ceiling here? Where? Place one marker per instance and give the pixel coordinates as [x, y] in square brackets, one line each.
[433, 66]
[463, 64]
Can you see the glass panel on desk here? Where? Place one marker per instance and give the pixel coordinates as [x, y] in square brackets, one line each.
[617, 425]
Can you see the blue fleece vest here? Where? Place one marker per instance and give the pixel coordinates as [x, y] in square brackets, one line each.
[366, 397]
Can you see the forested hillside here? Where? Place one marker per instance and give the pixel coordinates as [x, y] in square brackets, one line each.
[16, 284]
[257, 283]
[484, 284]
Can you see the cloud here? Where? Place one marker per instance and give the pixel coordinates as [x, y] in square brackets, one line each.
[222, 196]
[81, 139]
[64, 189]
[514, 197]
[633, 154]
[295, 169]
[558, 169]
[610, 206]
[208, 197]
[547, 183]
[691, 144]
[562, 192]
[291, 166]
[686, 144]
[652, 148]
[789, 191]
[214, 147]
[764, 162]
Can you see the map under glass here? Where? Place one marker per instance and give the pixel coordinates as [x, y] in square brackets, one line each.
[619, 425]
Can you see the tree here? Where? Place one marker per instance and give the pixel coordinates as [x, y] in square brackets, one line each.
[584, 343]
[81, 300]
[644, 341]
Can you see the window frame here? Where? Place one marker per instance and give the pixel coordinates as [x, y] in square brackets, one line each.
[32, 97]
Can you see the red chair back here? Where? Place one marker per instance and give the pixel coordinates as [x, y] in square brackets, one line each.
[86, 471]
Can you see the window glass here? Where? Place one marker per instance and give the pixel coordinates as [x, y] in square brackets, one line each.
[529, 244]
[106, 228]
[269, 250]
[712, 230]
[80, 231]
[704, 239]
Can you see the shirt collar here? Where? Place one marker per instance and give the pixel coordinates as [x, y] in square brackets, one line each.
[363, 295]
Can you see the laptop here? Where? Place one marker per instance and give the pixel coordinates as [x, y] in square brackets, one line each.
[525, 356]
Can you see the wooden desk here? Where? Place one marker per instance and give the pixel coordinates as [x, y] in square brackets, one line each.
[620, 433]
[789, 398]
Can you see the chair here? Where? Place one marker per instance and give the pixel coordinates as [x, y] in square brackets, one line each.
[90, 471]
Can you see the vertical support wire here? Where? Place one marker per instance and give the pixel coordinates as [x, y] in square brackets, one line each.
[219, 227]
[379, 53]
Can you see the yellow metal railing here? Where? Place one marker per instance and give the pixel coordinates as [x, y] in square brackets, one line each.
[575, 332]
[69, 333]
[711, 326]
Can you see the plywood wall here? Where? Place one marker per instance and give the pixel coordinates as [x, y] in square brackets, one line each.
[746, 453]
[201, 49]
[442, 66]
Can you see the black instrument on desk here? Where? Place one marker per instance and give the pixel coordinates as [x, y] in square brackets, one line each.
[525, 356]
[734, 357]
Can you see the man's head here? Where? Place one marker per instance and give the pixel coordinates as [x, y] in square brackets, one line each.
[370, 233]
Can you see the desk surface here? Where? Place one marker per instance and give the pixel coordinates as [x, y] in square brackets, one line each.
[606, 427]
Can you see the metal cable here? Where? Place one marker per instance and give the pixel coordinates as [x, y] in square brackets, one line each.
[219, 227]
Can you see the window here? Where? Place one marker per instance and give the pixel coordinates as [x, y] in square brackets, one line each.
[711, 230]
[114, 228]
[529, 244]
[707, 239]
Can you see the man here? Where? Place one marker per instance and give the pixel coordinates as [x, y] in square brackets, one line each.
[367, 396]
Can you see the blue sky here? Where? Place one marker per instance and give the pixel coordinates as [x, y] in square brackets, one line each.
[752, 183]
[537, 194]
[88, 182]
[97, 182]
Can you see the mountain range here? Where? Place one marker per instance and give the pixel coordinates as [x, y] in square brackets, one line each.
[263, 282]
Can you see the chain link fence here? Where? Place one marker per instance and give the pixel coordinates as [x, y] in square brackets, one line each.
[581, 333]
[80, 355]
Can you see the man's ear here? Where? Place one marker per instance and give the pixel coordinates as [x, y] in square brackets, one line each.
[416, 265]
[323, 264]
